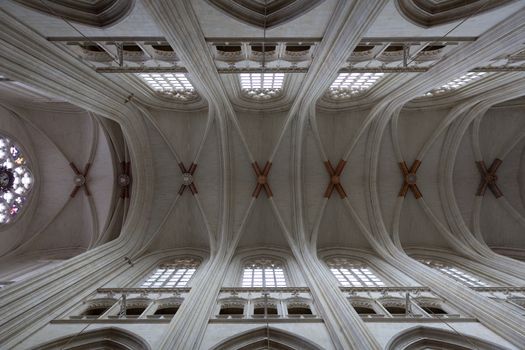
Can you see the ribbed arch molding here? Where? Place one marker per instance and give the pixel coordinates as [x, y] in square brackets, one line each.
[71, 280]
[266, 338]
[106, 338]
[265, 14]
[429, 13]
[421, 337]
[487, 46]
[97, 13]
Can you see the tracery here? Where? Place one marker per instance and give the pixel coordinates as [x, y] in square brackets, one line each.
[263, 273]
[457, 83]
[456, 273]
[172, 275]
[353, 274]
[262, 86]
[347, 85]
[174, 85]
[16, 180]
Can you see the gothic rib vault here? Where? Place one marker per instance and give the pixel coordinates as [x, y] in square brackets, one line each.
[193, 168]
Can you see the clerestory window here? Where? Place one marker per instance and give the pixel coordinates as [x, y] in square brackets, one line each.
[262, 86]
[457, 83]
[455, 273]
[172, 275]
[174, 85]
[347, 85]
[263, 273]
[353, 274]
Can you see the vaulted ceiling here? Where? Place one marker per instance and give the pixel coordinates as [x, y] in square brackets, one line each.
[224, 131]
[59, 219]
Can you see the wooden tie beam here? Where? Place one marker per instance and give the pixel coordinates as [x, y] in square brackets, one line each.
[80, 179]
[410, 179]
[262, 179]
[335, 179]
[187, 178]
[489, 178]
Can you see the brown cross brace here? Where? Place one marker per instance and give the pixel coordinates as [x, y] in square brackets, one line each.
[410, 178]
[262, 179]
[80, 179]
[124, 179]
[335, 179]
[187, 178]
[489, 178]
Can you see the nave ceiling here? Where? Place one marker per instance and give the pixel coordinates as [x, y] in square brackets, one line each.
[224, 147]
[222, 170]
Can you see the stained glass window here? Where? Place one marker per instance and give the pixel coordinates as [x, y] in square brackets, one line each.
[16, 180]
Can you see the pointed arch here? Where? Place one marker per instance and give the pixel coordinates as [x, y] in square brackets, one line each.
[483, 272]
[98, 13]
[352, 272]
[263, 271]
[451, 269]
[105, 338]
[258, 14]
[282, 257]
[259, 337]
[420, 337]
[172, 273]
[427, 13]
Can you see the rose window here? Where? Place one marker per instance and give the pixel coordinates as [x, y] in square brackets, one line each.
[16, 180]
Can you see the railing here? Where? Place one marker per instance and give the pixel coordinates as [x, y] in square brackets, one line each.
[277, 298]
[115, 300]
[248, 299]
[142, 290]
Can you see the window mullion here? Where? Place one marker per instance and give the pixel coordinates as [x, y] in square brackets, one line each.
[170, 276]
[349, 274]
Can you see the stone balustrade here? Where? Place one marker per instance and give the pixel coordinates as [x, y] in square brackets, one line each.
[287, 304]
